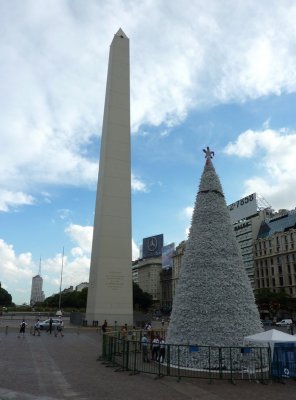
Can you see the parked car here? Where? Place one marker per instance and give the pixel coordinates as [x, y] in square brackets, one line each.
[284, 322]
[45, 324]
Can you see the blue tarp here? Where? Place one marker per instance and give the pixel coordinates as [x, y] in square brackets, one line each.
[284, 360]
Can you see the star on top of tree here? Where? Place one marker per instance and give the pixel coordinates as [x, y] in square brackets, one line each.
[209, 154]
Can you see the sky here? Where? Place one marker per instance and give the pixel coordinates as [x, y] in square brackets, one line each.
[215, 73]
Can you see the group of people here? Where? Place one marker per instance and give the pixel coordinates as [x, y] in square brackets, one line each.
[157, 346]
[58, 329]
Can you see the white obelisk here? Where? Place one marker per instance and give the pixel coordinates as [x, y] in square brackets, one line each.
[110, 279]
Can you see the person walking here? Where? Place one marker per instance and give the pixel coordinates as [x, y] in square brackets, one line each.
[50, 325]
[37, 328]
[59, 329]
[144, 344]
[22, 332]
[104, 327]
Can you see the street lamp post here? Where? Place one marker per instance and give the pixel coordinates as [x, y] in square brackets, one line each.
[59, 312]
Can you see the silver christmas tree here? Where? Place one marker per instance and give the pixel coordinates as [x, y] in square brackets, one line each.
[214, 303]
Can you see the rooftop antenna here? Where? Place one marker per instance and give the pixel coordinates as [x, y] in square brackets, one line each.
[39, 270]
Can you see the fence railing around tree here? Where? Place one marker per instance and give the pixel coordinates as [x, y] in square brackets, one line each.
[125, 353]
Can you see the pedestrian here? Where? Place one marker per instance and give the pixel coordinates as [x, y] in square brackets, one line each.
[22, 332]
[155, 348]
[104, 327]
[59, 329]
[144, 343]
[162, 322]
[37, 327]
[50, 325]
[161, 350]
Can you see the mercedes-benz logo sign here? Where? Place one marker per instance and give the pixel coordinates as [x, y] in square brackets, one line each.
[152, 244]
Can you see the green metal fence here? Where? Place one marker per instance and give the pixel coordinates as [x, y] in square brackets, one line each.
[125, 353]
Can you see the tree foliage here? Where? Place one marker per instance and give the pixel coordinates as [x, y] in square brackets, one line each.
[68, 300]
[268, 300]
[141, 299]
[5, 297]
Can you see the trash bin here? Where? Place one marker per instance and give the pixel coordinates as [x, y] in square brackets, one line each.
[84, 322]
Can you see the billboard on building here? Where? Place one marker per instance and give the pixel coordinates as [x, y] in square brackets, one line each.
[167, 253]
[243, 208]
[152, 246]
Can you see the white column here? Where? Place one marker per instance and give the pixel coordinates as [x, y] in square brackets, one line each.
[110, 280]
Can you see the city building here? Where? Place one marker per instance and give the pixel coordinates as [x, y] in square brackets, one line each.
[166, 297]
[81, 286]
[176, 267]
[146, 273]
[70, 289]
[246, 231]
[37, 294]
[275, 253]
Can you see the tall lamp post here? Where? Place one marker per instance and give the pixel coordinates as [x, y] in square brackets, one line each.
[59, 312]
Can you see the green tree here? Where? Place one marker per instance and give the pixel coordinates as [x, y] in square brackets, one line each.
[5, 297]
[141, 299]
[268, 300]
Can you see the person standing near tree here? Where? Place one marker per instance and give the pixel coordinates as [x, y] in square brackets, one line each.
[161, 350]
[144, 344]
[155, 348]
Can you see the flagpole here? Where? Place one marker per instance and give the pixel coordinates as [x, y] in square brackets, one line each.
[60, 298]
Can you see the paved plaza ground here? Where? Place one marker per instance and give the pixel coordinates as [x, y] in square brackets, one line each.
[51, 368]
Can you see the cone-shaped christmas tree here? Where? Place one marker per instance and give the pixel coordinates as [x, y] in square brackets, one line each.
[214, 303]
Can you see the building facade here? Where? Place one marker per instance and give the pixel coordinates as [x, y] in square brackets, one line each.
[177, 263]
[81, 286]
[37, 294]
[275, 254]
[166, 297]
[146, 273]
[246, 231]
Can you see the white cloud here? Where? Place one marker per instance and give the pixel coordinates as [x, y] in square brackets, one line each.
[53, 74]
[138, 185]
[274, 153]
[15, 270]
[11, 200]
[135, 251]
[187, 212]
[82, 236]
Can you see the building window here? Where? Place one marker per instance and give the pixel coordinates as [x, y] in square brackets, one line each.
[281, 281]
[280, 269]
[271, 261]
[273, 282]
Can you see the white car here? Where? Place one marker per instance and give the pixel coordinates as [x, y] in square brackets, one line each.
[284, 322]
[45, 324]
